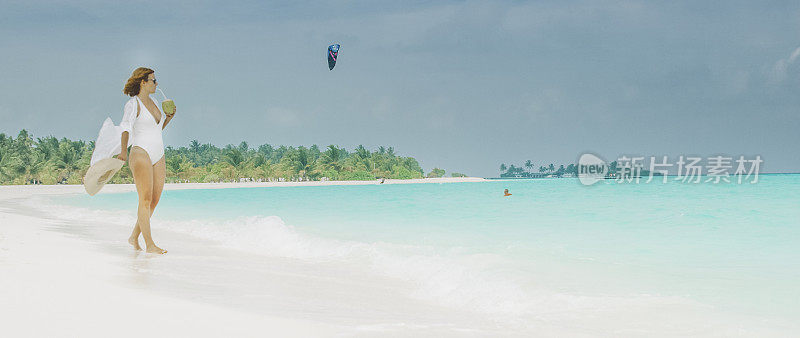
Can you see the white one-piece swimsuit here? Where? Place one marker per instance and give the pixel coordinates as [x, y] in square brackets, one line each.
[144, 131]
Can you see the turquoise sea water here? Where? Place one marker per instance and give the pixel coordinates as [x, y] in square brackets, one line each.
[731, 247]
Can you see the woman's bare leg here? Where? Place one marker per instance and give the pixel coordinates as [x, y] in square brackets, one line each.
[142, 171]
[159, 176]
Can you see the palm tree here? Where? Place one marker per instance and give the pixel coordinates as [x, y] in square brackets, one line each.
[551, 167]
[179, 166]
[300, 161]
[363, 156]
[173, 165]
[22, 160]
[331, 158]
[48, 146]
[29, 166]
[314, 152]
[503, 168]
[528, 164]
[259, 160]
[266, 149]
[67, 158]
[194, 146]
[235, 158]
[278, 154]
[8, 162]
[267, 170]
[512, 169]
[23, 141]
[362, 152]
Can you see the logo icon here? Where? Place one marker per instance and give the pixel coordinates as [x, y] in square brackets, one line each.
[591, 169]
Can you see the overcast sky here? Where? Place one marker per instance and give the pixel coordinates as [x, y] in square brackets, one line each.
[460, 85]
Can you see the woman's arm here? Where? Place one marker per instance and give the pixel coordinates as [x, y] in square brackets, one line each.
[128, 118]
[169, 118]
[123, 154]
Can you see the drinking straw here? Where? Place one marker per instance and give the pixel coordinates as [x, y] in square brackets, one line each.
[162, 94]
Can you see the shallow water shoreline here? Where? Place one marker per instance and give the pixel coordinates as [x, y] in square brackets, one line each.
[80, 277]
[16, 191]
[61, 255]
[59, 284]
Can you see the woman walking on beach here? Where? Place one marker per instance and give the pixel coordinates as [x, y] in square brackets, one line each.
[142, 123]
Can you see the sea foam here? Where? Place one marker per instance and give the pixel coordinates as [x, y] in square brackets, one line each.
[484, 283]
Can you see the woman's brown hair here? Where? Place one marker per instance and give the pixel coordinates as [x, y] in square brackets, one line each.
[133, 85]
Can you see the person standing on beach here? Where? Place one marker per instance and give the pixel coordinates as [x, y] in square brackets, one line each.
[143, 122]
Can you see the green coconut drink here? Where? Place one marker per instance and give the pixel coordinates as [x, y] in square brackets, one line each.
[168, 106]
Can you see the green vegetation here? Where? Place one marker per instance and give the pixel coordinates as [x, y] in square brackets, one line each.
[543, 171]
[49, 160]
[436, 172]
[571, 170]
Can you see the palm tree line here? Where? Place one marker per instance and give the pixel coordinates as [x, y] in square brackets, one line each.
[527, 170]
[48, 160]
[550, 170]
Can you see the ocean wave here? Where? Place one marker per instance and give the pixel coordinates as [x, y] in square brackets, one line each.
[450, 276]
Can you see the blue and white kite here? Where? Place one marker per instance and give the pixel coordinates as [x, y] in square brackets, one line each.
[333, 53]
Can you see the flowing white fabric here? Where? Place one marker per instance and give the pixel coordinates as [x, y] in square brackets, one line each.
[129, 117]
[109, 139]
[109, 142]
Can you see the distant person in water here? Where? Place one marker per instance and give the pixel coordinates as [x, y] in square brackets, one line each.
[506, 193]
[383, 179]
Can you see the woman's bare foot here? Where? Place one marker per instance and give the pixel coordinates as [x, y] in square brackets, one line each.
[135, 243]
[156, 250]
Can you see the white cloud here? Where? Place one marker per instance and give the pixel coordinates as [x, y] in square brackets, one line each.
[281, 117]
[794, 55]
[781, 69]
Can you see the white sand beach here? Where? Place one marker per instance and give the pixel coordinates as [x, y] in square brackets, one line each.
[67, 272]
[68, 278]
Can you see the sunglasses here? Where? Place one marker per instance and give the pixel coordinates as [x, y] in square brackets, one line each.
[154, 80]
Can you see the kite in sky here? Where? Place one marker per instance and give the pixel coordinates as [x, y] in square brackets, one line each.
[333, 53]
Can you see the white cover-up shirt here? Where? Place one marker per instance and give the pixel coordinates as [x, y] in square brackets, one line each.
[109, 139]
